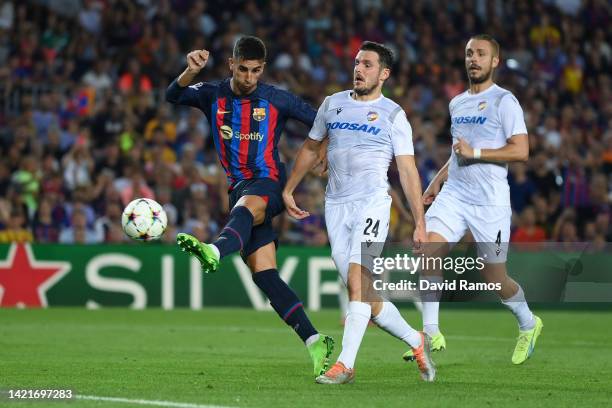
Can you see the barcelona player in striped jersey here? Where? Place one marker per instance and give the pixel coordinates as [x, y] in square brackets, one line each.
[247, 118]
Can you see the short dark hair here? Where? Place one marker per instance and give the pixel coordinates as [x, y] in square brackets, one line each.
[385, 55]
[491, 40]
[249, 48]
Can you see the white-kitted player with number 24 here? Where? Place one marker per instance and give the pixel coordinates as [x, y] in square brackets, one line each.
[365, 130]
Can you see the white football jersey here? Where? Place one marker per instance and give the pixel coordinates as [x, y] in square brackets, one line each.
[364, 136]
[485, 120]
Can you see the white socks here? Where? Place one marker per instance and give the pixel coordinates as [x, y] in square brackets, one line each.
[390, 320]
[519, 308]
[431, 306]
[215, 250]
[312, 340]
[355, 325]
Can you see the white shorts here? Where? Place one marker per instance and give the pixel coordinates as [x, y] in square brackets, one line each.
[351, 224]
[490, 225]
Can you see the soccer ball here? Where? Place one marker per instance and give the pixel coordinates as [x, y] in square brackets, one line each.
[144, 220]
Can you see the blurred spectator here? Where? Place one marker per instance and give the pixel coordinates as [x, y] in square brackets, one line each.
[90, 16]
[135, 187]
[7, 14]
[82, 85]
[164, 197]
[26, 183]
[544, 179]
[5, 179]
[528, 231]
[107, 124]
[107, 225]
[78, 232]
[575, 184]
[521, 187]
[162, 121]
[14, 225]
[565, 228]
[159, 150]
[78, 164]
[45, 228]
[99, 77]
[44, 117]
[133, 80]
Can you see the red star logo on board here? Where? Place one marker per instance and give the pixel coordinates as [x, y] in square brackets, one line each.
[24, 281]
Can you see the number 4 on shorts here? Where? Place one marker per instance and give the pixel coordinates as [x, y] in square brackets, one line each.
[498, 243]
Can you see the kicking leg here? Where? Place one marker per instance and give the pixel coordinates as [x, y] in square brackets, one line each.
[248, 212]
[288, 306]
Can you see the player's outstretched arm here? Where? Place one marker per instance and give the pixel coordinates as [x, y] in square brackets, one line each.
[411, 184]
[515, 150]
[306, 158]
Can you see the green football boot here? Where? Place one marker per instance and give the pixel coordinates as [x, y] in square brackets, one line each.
[209, 261]
[438, 343]
[526, 342]
[320, 351]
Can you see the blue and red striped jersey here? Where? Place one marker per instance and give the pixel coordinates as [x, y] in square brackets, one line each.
[245, 129]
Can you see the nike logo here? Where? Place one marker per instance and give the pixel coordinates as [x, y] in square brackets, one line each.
[338, 111]
[222, 112]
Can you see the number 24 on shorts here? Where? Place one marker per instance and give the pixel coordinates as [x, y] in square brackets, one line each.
[371, 227]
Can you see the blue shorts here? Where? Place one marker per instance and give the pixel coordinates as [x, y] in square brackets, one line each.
[271, 192]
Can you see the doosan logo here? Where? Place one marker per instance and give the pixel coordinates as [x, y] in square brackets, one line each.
[353, 126]
[474, 120]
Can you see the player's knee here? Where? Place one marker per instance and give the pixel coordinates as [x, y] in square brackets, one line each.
[262, 259]
[259, 215]
[436, 245]
[256, 206]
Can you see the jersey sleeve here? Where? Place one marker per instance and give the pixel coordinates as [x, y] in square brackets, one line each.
[300, 110]
[511, 117]
[318, 130]
[401, 135]
[196, 95]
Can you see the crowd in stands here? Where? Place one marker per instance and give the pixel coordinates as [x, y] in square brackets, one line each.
[84, 127]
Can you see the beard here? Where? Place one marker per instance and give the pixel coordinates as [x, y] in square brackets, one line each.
[482, 78]
[364, 90]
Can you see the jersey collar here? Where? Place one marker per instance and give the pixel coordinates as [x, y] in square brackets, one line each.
[350, 97]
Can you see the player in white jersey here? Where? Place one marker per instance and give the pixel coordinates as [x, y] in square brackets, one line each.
[488, 131]
[365, 131]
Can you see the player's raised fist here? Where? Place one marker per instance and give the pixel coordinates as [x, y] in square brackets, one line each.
[196, 60]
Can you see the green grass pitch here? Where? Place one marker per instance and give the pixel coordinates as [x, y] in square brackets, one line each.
[243, 358]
